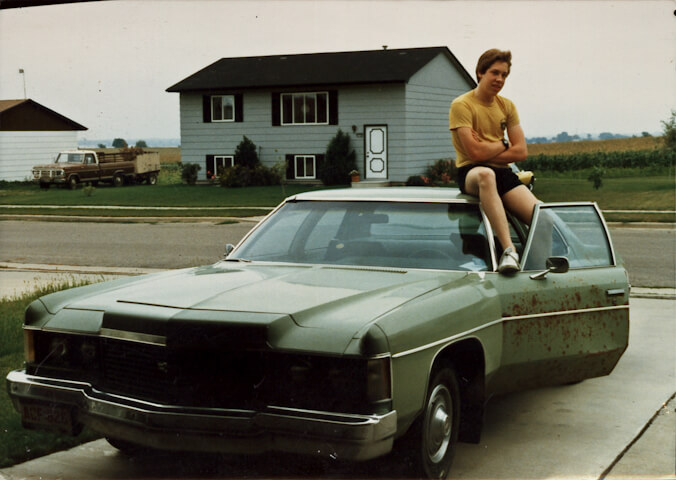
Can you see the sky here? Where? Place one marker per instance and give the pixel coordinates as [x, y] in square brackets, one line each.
[583, 67]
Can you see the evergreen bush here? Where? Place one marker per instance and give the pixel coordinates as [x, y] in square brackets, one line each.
[246, 154]
[189, 172]
[339, 161]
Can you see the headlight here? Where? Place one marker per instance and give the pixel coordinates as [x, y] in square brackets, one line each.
[337, 384]
[63, 351]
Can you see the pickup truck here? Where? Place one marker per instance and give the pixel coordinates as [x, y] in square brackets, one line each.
[73, 167]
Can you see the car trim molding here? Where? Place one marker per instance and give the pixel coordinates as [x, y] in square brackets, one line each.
[467, 333]
[134, 336]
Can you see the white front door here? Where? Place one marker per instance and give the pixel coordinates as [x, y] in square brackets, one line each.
[375, 151]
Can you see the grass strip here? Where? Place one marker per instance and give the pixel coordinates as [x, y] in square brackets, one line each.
[16, 443]
[172, 195]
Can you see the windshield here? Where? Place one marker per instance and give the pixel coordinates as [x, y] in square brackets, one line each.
[70, 158]
[383, 234]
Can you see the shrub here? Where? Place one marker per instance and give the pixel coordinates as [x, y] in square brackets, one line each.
[441, 172]
[189, 172]
[240, 176]
[670, 132]
[246, 154]
[596, 177]
[339, 161]
[416, 181]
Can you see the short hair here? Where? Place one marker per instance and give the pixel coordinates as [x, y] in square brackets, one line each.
[489, 57]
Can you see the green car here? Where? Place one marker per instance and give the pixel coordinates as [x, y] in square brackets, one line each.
[345, 324]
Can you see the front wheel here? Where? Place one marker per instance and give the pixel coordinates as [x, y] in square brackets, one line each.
[118, 180]
[434, 435]
[128, 448]
[72, 182]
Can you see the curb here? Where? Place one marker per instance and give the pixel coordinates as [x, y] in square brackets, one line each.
[100, 219]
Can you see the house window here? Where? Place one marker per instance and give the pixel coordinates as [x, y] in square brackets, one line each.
[223, 108]
[305, 166]
[216, 164]
[305, 108]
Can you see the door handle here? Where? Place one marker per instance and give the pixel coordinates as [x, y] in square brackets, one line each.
[613, 292]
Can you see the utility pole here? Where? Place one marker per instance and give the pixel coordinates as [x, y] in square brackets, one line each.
[23, 75]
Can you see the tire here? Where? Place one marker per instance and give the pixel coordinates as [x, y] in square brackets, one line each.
[72, 182]
[152, 179]
[118, 180]
[433, 437]
[44, 185]
[128, 448]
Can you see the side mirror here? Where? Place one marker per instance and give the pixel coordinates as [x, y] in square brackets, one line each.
[229, 247]
[554, 265]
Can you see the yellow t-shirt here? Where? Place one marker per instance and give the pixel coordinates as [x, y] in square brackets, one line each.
[489, 121]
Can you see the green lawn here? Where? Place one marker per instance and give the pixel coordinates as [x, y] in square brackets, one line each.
[173, 195]
[16, 443]
[635, 192]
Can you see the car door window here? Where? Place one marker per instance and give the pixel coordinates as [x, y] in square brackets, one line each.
[575, 231]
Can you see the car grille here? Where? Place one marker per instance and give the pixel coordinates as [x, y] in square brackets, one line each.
[192, 377]
[46, 173]
[135, 369]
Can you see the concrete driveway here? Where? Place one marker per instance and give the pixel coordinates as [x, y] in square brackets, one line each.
[619, 426]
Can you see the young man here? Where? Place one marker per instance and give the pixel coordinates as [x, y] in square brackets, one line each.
[478, 120]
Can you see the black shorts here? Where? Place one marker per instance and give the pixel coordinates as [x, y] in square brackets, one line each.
[505, 178]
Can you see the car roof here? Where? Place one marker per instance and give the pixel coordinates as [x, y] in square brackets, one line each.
[387, 194]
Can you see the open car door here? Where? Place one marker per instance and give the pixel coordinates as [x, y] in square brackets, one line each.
[567, 326]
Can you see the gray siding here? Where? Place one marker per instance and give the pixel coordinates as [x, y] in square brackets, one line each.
[429, 94]
[358, 106]
[416, 115]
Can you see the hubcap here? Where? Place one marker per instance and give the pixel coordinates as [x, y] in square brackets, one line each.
[439, 424]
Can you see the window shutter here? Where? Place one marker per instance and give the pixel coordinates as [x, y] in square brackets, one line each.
[319, 165]
[276, 114]
[333, 107]
[211, 168]
[290, 167]
[206, 108]
[239, 107]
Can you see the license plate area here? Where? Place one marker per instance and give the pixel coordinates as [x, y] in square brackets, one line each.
[48, 417]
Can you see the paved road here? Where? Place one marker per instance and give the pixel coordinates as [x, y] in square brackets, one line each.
[649, 253]
[595, 429]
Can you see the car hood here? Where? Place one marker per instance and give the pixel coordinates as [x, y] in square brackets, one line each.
[292, 306]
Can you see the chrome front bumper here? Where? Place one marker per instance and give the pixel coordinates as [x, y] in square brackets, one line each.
[354, 437]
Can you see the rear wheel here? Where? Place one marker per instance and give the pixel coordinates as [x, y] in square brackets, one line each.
[118, 180]
[432, 439]
[152, 179]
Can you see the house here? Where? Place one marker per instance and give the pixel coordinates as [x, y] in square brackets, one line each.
[393, 103]
[31, 134]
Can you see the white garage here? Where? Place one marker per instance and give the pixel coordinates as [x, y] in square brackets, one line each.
[31, 134]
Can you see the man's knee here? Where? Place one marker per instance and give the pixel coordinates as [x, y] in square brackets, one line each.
[485, 178]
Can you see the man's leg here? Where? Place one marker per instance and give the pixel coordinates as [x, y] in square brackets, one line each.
[520, 202]
[480, 182]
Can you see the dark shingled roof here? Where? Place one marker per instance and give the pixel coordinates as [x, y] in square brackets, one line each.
[28, 115]
[363, 67]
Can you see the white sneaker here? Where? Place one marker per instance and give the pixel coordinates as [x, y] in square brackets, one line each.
[509, 262]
